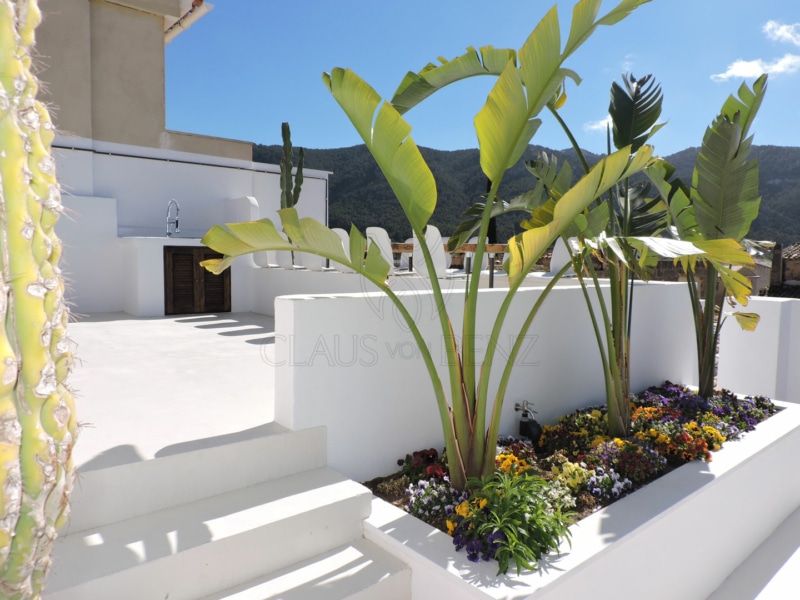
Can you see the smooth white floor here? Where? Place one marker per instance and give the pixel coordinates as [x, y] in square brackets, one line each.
[153, 387]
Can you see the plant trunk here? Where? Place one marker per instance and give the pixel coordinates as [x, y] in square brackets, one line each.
[37, 418]
[707, 342]
[618, 379]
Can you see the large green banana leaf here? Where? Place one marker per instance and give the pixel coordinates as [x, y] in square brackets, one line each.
[725, 183]
[526, 248]
[536, 202]
[306, 234]
[387, 138]
[415, 87]
[634, 111]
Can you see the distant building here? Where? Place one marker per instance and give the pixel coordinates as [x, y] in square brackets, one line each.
[102, 72]
[785, 277]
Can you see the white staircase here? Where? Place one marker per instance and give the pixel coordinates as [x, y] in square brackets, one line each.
[248, 520]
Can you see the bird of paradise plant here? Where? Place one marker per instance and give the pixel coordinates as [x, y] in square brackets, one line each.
[526, 80]
[715, 214]
[628, 231]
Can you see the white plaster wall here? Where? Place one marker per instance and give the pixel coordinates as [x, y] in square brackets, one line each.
[623, 542]
[764, 361]
[347, 359]
[113, 192]
[269, 284]
[92, 259]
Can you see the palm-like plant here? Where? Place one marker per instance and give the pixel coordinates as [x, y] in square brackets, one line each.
[715, 214]
[526, 80]
[623, 232]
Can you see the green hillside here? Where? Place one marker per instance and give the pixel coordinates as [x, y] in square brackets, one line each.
[360, 195]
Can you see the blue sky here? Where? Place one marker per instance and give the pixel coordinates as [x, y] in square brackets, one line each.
[249, 65]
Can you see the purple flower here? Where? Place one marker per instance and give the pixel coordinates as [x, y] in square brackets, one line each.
[474, 548]
[459, 541]
[493, 543]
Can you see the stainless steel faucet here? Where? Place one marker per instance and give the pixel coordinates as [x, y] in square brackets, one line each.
[175, 220]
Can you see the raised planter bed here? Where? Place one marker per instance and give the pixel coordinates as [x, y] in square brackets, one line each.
[678, 537]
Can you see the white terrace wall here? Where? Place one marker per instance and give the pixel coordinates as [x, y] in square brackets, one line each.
[765, 361]
[348, 362]
[114, 193]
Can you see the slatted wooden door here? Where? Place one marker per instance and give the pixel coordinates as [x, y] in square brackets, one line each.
[188, 287]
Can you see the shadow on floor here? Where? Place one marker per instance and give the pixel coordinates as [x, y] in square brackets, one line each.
[235, 324]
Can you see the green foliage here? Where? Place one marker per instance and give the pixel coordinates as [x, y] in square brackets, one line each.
[512, 517]
[469, 412]
[634, 110]
[619, 230]
[715, 214]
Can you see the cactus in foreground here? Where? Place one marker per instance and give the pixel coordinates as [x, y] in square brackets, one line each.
[37, 418]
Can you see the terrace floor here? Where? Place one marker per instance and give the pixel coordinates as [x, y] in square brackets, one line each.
[151, 387]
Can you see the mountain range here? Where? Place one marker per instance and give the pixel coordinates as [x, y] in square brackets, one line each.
[359, 194]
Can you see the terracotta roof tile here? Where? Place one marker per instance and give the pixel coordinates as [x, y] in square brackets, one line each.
[784, 291]
[792, 252]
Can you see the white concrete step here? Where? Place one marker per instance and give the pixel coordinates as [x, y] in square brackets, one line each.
[196, 470]
[358, 571]
[189, 551]
[772, 571]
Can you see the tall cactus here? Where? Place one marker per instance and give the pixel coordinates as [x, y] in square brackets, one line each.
[290, 194]
[37, 417]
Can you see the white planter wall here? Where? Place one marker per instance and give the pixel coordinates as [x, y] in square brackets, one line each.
[638, 544]
[764, 361]
[347, 360]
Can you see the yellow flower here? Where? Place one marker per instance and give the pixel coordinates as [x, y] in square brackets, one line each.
[481, 503]
[596, 414]
[451, 527]
[462, 510]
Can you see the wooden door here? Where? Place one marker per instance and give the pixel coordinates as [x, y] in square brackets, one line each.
[188, 287]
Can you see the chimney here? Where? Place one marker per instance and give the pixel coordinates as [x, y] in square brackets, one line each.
[776, 272]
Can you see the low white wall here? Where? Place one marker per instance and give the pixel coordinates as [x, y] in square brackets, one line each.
[269, 284]
[764, 361]
[347, 362]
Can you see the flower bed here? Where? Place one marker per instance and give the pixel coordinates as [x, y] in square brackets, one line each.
[522, 513]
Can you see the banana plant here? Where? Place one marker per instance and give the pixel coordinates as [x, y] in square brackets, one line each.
[622, 232]
[36, 407]
[469, 411]
[715, 214]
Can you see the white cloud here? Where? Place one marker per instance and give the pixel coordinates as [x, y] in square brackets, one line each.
[783, 33]
[593, 126]
[627, 65]
[789, 63]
